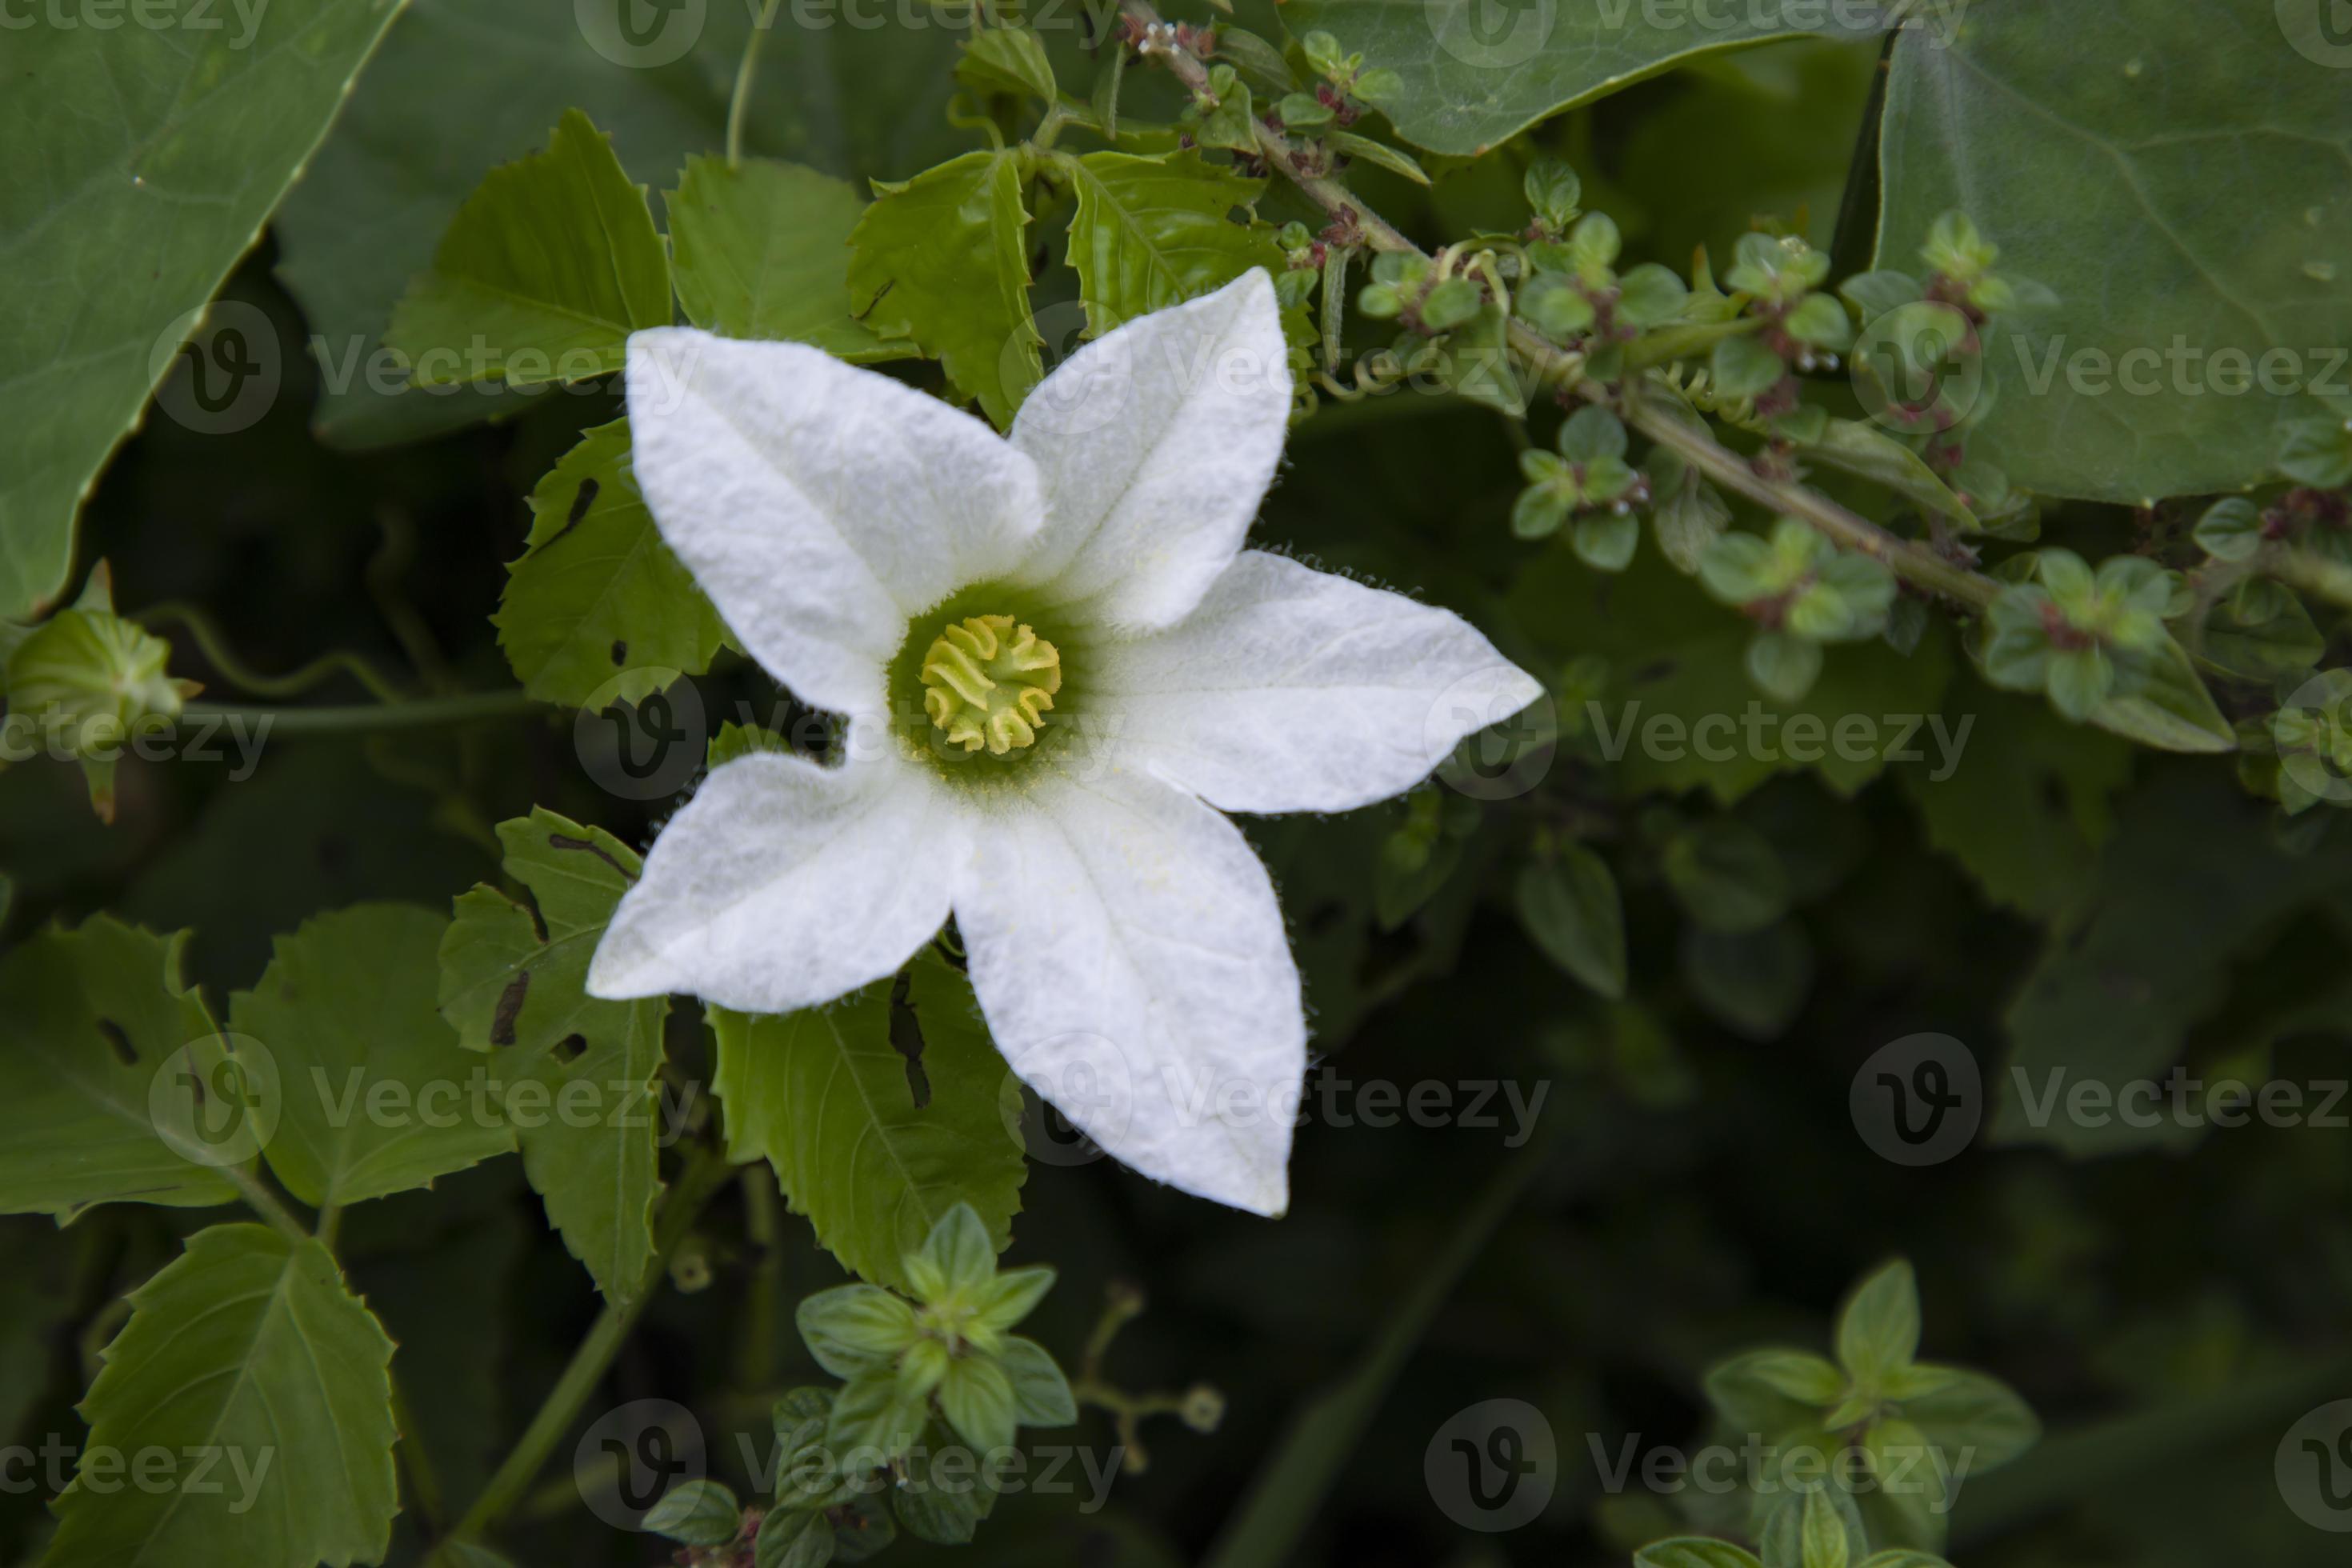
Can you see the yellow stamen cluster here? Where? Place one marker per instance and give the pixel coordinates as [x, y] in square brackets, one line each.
[988, 683]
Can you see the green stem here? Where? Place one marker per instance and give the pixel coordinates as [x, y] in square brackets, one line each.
[739, 106]
[424, 712]
[213, 646]
[1912, 562]
[763, 1303]
[705, 1172]
[262, 1201]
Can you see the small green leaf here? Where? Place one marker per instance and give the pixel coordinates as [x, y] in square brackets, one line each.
[874, 1420]
[371, 1071]
[1010, 1296]
[1694, 1552]
[852, 1329]
[1347, 144]
[2316, 451]
[1569, 906]
[1783, 664]
[2230, 529]
[1744, 367]
[596, 610]
[1040, 1395]
[1727, 875]
[1970, 1414]
[247, 1343]
[790, 1538]
[942, 260]
[1651, 295]
[1824, 1533]
[1008, 59]
[543, 275]
[699, 1513]
[977, 1400]
[956, 1259]
[762, 251]
[1303, 112]
[1866, 450]
[1554, 193]
[1878, 1331]
[1606, 540]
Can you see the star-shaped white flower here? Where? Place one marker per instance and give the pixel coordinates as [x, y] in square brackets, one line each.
[1060, 668]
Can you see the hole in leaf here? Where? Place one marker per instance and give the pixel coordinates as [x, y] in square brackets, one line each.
[119, 1043]
[907, 1040]
[570, 1048]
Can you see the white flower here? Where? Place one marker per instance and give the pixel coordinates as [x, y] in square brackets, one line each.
[1060, 668]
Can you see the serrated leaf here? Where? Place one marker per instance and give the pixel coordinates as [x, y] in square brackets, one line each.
[827, 1099]
[249, 1346]
[1007, 59]
[96, 1015]
[543, 274]
[597, 610]
[346, 1010]
[942, 260]
[1152, 232]
[516, 986]
[794, 1539]
[141, 164]
[762, 251]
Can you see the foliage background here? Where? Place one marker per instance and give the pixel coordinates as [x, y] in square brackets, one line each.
[1696, 1186]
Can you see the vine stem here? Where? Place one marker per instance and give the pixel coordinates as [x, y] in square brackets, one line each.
[705, 1173]
[424, 712]
[1912, 562]
[206, 635]
[739, 106]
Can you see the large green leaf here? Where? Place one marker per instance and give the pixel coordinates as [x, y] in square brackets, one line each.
[543, 275]
[378, 1096]
[762, 251]
[516, 986]
[942, 260]
[596, 609]
[247, 1356]
[874, 1160]
[97, 1016]
[2168, 171]
[1475, 73]
[140, 162]
[1154, 232]
[461, 86]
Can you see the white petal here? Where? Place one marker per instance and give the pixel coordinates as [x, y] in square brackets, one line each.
[1155, 444]
[783, 884]
[818, 504]
[1132, 965]
[1293, 689]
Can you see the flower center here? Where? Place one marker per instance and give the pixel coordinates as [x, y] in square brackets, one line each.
[987, 682]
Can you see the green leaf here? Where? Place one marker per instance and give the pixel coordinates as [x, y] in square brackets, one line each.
[2230, 529]
[1752, 982]
[1784, 665]
[1771, 1392]
[1823, 1534]
[1347, 144]
[2208, 203]
[1569, 905]
[514, 983]
[1687, 513]
[466, 1554]
[543, 275]
[250, 1347]
[852, 1329]
[977, 1400]
[794, 1539]
[1010, 60]
[942, 260]
[1878, 1331]
[1744, 367]
[943, 1507]
[1727, 875]
[1866, 450]
[597, 611]
[827, 1096]
[379, 1095]
[956, 1259]
[1469, 79]
[701, 1512]
[2173, 710]
[1606, 540]
[105, 1036]
[1971, 1416]
[1154, 232]
[873, 1412]
[1041, 1394]
[762, 251]
[141, 164]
